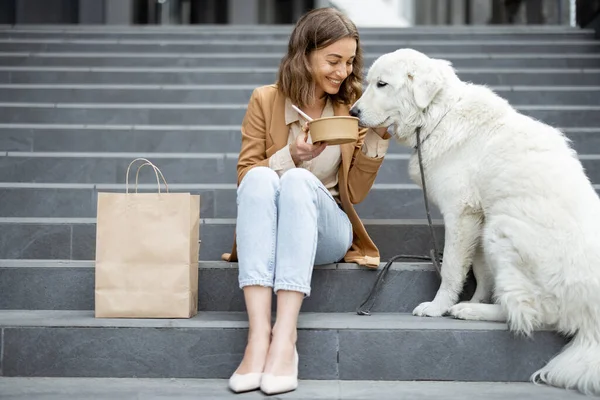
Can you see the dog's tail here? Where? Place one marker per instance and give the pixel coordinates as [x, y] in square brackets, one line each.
[577, 366]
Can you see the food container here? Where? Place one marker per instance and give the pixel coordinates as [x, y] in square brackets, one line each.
[334, 130]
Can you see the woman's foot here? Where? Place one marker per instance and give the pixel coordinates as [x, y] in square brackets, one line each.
[248, 375]
[281, 371]
[255, 355]
[280, 360]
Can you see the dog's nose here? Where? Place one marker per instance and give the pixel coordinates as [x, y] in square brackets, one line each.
[355, 112]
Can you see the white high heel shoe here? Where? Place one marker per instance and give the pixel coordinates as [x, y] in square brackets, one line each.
[276, 384]
[245, 382]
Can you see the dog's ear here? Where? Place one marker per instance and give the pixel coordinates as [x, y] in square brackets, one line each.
[426, 84]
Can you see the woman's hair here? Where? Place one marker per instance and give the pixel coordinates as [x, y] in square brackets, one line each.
[315, 30]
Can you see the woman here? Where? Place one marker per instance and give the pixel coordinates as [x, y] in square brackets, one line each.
[295, 199]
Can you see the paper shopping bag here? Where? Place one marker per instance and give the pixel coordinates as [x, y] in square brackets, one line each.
[147, 247]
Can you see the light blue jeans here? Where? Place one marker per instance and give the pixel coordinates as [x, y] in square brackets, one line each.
[285, 227]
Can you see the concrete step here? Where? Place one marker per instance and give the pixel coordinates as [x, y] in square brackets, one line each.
[268, 46]
[413, 33]
[193, 389]
[177, 139]
[43, 200]
[228, 94]
[178, 168]
[154, 59]
[69, 285]
[263, 76]
[221, 114]
[262, 28]
[75, 238]
[330, 345]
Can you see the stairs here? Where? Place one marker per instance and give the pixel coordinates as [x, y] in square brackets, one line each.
[187, 389]
[78, 103]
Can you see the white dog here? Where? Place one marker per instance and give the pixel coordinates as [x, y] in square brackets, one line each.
[516, 204]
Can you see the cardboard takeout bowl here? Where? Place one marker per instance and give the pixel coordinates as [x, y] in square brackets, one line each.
[334, 130]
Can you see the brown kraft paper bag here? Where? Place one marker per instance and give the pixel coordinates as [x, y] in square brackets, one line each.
[147, 247]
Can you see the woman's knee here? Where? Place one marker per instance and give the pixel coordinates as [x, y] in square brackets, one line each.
[259, 181]
[298, 179]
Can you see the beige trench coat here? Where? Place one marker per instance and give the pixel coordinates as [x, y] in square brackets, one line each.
[264, 132]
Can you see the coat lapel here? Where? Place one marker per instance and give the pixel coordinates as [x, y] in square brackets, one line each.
[278, 130]
[347, 149]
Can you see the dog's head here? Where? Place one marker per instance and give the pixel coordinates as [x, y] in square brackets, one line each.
[400, 85]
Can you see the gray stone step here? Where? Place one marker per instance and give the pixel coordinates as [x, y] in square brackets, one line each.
[75, 238]
[278, 34]
[268, 46]
[155, 59]
[69, 285]
[218, 94]
[330, 345]
[221, 114]
[178, 139]
[41, 200]
[262, 76]
[193, 389]
[178, 168]
[260, 28]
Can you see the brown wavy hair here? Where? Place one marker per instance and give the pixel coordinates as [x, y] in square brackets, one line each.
[315, 30]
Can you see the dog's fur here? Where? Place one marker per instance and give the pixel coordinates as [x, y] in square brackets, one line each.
[516, 204]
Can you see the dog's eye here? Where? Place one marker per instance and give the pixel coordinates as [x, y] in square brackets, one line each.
[381, 84]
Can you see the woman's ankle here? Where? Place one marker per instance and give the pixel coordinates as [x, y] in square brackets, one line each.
[259, 335]
[285, 334]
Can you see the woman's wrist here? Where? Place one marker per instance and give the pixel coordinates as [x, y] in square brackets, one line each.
[293, 154]
[382, 132]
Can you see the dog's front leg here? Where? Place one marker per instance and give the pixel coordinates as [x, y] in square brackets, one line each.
[462, 236]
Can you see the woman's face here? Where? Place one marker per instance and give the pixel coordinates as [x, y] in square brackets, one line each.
[331, 65]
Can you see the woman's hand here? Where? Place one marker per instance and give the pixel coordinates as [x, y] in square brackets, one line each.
[301, 150]
[382, 132]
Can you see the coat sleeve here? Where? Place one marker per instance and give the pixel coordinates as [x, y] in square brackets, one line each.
[363, 171]
[253, 152]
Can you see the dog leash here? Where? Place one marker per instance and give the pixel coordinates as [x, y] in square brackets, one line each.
[434, 255]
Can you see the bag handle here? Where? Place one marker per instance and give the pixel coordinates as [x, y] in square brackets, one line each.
[157, 171]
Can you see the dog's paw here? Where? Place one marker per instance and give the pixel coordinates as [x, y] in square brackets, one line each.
[465, 311]
[429, 309]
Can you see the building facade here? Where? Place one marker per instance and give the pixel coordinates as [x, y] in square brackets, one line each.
[251, 12]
